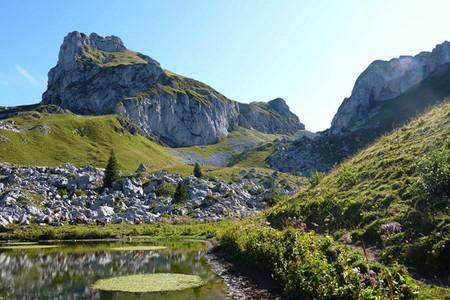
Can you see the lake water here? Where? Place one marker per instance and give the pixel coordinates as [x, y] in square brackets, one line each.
[68, 271]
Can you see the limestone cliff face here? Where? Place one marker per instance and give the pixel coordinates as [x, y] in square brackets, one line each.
[99, 75]
[383, 81]
[271, 117]
[386, 95]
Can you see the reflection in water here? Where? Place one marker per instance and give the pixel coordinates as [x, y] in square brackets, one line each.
[67, 272]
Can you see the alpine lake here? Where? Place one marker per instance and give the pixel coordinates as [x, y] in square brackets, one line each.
[135, 269]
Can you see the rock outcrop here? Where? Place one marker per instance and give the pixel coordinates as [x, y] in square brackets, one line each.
[99, 75]
[383, 81]
[271, 117]
[67, 194]
[386, 95]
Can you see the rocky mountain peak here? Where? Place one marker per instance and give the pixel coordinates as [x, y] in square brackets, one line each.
[78, 44]
[99, 75]
[279, 105]
[108, 43]
[383, 81]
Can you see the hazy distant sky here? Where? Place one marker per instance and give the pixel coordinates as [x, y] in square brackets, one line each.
[307, 52]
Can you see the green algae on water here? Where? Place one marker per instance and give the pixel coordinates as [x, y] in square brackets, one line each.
[145, 283]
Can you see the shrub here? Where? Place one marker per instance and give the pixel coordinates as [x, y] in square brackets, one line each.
[315, 178]
[273, 197]
[181, 195]
[80, 192]
[435, 173]
[111, 171]
[197, 171]
[23, 200]
[308, 266]
[62, 191]
[165, 190]
[346, 177]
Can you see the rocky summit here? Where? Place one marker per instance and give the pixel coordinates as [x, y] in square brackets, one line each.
[383, 81]
[385, 96]
[99, 75]
[71, 195]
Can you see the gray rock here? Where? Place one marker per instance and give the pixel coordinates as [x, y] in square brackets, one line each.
[83, 181]
[130, 202]
[178, 110]
[105, 211]
[385, 80]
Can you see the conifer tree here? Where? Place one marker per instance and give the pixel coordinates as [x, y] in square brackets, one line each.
[111, 171]
[197, 171]
[181, 195]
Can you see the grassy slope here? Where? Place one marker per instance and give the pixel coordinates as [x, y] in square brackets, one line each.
[381, 184]
[236, 140]
[88, 140]
[81, 140]
[256, 156]
[112, 59]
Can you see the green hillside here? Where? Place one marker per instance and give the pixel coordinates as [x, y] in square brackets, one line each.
[390, 200]
[228, 150]
[256, 156]
[37, 138]
[403, 177]
[53, 139]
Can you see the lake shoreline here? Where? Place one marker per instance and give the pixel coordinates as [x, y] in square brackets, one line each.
[242, 283]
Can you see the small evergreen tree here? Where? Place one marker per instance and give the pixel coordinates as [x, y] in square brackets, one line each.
[197, 171]
[181, 195]
[111, 171]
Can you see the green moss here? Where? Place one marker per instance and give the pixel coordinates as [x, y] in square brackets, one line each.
[145, 283]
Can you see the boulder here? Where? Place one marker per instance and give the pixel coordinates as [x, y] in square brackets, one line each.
[105, 211]
[142, 168]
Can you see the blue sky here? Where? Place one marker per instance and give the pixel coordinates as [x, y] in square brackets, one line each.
[308, 52]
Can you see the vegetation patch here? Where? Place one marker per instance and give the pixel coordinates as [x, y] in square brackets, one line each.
[111, 59]
[146, 283]
[138, 248]
[33, 232]
[18, 243]
[394, 195]
[27, 247]
[309, 266]
[83, 140]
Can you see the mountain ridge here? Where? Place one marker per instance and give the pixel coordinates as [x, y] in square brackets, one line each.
[384, 80]
[366, 120]
[99, 75]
